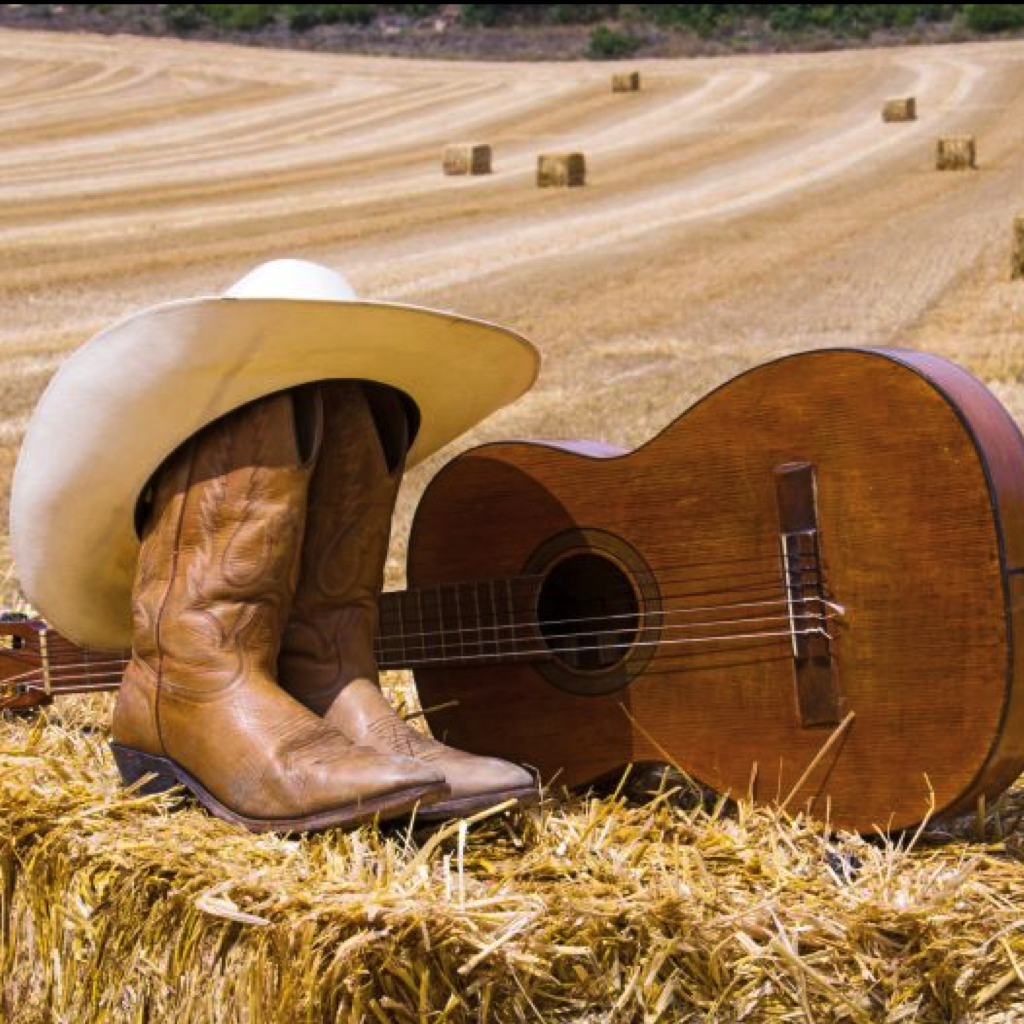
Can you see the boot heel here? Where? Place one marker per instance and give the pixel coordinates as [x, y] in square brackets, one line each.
[134, 765]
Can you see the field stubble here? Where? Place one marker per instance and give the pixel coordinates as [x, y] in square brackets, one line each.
[736, 209]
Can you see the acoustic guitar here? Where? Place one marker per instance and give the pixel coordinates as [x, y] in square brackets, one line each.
[808, 589]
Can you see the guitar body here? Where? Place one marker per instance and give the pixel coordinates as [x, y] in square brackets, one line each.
[872, 679]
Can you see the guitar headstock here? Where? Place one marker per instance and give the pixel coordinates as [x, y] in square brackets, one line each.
[21, 661]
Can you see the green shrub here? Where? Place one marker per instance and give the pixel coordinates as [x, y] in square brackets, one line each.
[306, 16]
[239, 17]
[560, 14]
[993, 17]
[702, 18]
[607, 44]
[183, 17]
[487, 15]
[414, 10]
[580, 14]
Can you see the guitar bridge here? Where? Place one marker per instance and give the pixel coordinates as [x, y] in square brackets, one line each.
[818, 698]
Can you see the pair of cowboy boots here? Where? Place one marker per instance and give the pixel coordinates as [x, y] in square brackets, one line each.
[211, 699]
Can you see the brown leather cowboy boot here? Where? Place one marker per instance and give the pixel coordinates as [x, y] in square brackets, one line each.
[199, 704]
[327, 659]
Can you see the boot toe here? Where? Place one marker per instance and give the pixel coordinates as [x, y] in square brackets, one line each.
[479, 783]
[393, 771]
[364, 775]
[480, 776]
[328, 773]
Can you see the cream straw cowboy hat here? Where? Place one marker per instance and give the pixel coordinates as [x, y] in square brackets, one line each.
[129, 396]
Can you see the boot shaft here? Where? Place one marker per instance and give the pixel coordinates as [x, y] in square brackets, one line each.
[328, 640]
[219, 556]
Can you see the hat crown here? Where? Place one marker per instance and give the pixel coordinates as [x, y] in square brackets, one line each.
[292, 279]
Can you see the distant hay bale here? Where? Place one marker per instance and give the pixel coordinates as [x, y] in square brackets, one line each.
[1018, 246]
[467, 158]
[904, 109]
[561, 170]
[956, 153]
[626, 81]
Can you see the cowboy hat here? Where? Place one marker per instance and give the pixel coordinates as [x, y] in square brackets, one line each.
[120, 404]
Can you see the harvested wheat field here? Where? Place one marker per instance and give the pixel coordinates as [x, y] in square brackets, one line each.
[735, 210]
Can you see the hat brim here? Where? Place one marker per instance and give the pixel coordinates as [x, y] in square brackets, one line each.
[121, 403]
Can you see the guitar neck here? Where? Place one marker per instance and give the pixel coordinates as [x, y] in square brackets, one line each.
[455, 624]
[443, 626]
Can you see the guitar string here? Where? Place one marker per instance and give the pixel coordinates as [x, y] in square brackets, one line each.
[779, 573]
[490, 633]
[57, 644]
[384, 639]
[484, 657]
[771, 568]
[69, 673]
[768, 559]
[483, 634]
[453, 592]
[442, 589]
[439, 612]
[479, 641]
[814, 631]
[811, 616]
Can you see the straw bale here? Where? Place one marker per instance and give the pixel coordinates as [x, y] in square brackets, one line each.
[904, 109]
[561, 170]
[626, 81]
[955, 153]
[1017, 257]
[117, 908]
[467, 158]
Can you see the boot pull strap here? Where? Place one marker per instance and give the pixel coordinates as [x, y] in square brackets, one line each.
[396, 418]
[308, 418]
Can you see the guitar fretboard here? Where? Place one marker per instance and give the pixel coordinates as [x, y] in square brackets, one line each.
[459, 624]
[448, 625]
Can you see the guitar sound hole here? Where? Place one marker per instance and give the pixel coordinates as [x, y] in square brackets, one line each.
[588, 613]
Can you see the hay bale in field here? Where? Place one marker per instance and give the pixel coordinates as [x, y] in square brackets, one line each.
[626, 81]
[1017, 257]
[467, 158]
[561, 170]
[956, 153]
[904, 109]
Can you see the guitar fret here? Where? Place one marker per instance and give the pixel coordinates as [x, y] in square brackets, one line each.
[513, 640]
[44, 660]
[458, 619]
[379, 636]
[401, 629]
[421, 633]
[438, 591]
[390, 632]
[479, 622]
[494, 618]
